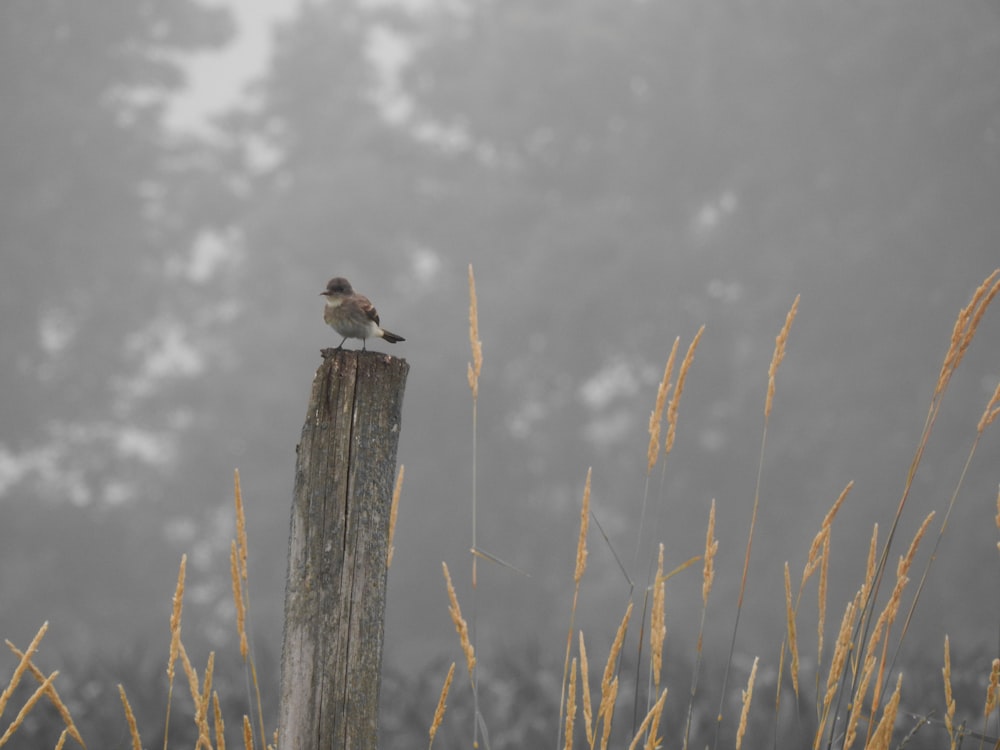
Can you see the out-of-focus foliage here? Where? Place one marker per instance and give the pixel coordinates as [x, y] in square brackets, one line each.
[103, 322]
[92, 220]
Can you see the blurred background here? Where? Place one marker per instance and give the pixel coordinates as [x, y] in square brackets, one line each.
[179, 181]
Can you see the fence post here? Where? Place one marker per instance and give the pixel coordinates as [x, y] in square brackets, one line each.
[331, 656]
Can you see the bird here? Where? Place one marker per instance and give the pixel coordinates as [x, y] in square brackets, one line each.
[352, 315]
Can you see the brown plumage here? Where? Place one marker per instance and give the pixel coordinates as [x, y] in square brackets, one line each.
[352, 315]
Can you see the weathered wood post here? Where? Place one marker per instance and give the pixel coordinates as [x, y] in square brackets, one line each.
[331, 657]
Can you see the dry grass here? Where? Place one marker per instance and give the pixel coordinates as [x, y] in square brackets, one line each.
[51, 693]
[461, 626]
[949, 700]
[441, 704]
[675, 400]
[570, 707]
[476, 365]
[133, 730]
[656, 415]
[857, 672]
[747, 698]
[658, 626]
[855, 697]
[579, 568]
[650, 725]
[207, 716]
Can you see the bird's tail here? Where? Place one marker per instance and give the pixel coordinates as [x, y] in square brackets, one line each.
[391, 337]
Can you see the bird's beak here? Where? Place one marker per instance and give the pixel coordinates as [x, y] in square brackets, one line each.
[323, 294]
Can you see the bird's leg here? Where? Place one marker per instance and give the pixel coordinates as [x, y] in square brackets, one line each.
[364, 346]
[341, 346]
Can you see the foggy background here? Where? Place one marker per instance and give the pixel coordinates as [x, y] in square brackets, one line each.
[618, 173]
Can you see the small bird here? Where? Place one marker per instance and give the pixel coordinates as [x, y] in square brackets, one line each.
[352, 315]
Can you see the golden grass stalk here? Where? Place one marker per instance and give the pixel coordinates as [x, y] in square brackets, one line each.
[883, 732]
[238, 600]
[906, 561]
[870, 563]
[570, 707]
[27, 708]
[707, 579]
[866, 586]
[247, 733]
[175, 642]
[818, 557]
[653, 448]
[241, 592]
[657, 625]
[965, 328]
[461, 627]
[238, 568]
[991, 412]
[949, 700]
[61, 742]
[991, 690]
[609, 682]
[837, 664]
[818, 542]
[133, 730]
[708, 569]
[880, 635]
[393, 510]
[606, 710]
[476, 365]
[675, 398]
[858, 699]
[220, 725]
[888, 615]
[581, 542]
[616, 646]
[779, 354]
[53, 696]
[192, 676]
[793, 640]
[241, 524]
[474, 371]
[821, 591]
[441, 705]
[201, 710]
[747, 698]
[588, 717]
[650, 725]
[653, 740]
[579, 568]
[22, 666]
[656, 416]
[672, 411]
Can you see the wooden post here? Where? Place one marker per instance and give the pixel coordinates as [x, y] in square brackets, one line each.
[331, 657]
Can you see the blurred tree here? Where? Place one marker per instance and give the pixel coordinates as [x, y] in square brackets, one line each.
[712, 160]
[89, 228]
[106, 317]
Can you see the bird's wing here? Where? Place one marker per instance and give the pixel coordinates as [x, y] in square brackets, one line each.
[369, 308]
